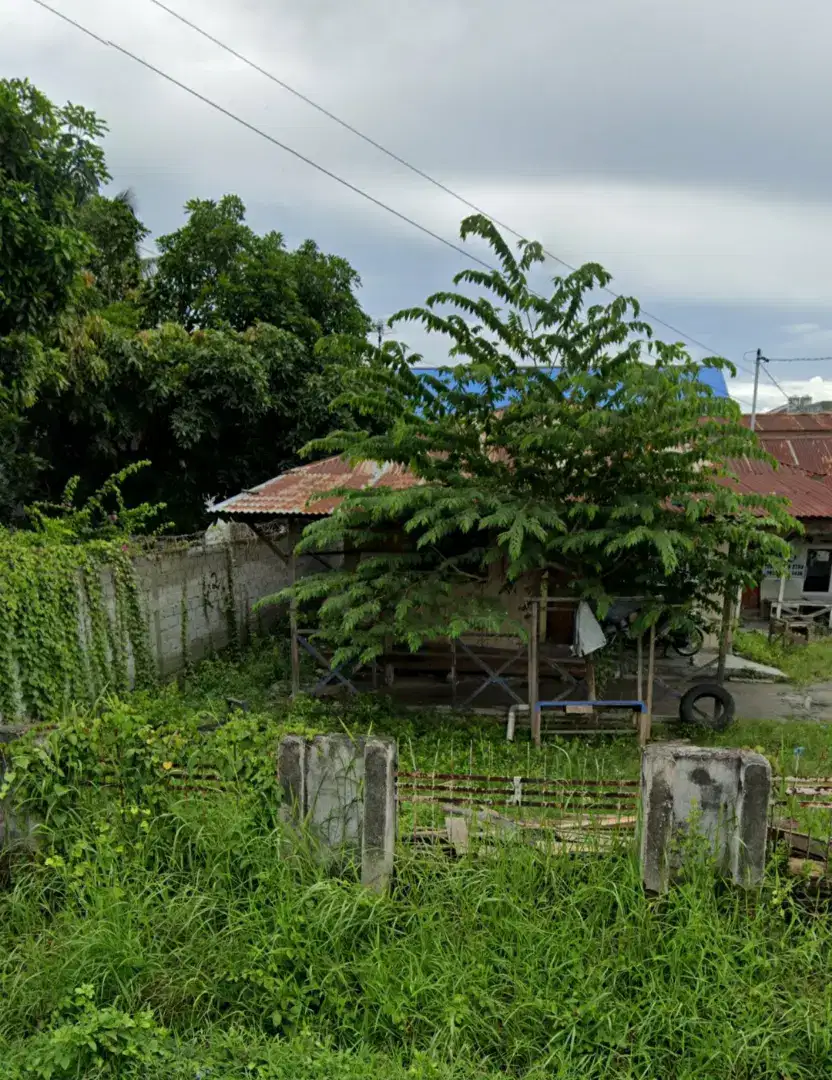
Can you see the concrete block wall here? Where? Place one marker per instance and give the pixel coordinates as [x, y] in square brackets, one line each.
[188, 594]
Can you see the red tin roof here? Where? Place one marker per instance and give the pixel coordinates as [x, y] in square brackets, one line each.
[294, 492]
[801, 440]
[808, 495]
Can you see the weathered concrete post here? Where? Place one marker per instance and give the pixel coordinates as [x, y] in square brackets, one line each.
[344, 791]
[291, 772]
[379, 834]
[719, 795]
[334, 789]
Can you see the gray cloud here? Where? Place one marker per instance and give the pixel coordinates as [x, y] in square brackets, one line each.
[683, 145]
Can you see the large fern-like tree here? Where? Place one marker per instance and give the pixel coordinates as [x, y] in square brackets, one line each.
[561, 439]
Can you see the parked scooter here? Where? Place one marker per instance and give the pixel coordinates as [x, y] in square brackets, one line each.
[687, 642]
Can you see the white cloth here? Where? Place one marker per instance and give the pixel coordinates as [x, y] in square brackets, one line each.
[589, 637]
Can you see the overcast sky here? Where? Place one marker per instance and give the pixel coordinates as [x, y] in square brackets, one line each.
[683, 145]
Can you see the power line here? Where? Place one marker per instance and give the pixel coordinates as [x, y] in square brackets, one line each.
[403, 161]
[768, 374]
[798, 359]
[265, 135]
[334, 176]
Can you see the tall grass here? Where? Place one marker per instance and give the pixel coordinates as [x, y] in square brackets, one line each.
[515, 962]
[803, 664]
[159, 934]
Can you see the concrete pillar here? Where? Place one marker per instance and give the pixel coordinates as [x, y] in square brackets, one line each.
[334, 790]
[379, 827]
[722, 795]
[291, 774]
[344, 791]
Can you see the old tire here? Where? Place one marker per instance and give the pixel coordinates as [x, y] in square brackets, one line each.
[707, 705]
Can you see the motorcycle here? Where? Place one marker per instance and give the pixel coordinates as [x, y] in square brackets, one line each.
[684, 642]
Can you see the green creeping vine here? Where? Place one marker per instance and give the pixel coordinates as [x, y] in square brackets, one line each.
[71, 617]
[60, 639]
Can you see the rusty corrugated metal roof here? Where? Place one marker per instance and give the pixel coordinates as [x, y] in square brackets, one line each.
[808, 495]
[800, 440]
[294, 492]
[788, 422]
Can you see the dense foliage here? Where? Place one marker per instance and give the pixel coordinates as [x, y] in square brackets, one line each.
[72, 624]
[202, 359]
[116, 263]
[217, 272]
[167, 926]
[606, 473]
[49, 163]
[213, 410]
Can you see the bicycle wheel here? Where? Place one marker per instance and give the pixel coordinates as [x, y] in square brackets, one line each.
[689, 644]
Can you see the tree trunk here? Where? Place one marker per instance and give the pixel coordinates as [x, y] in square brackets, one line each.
[724, 635]
[591, 680]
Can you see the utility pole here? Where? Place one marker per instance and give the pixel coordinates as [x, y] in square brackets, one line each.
[380, 327]
[757, 363]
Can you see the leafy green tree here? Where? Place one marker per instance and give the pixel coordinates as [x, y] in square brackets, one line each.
[607, 473]
[216, 271]
[224, 387]
[116, 232]
[206, 366]
[213, 410]
[50, 162]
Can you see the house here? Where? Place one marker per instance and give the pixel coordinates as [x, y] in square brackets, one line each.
[802, 445]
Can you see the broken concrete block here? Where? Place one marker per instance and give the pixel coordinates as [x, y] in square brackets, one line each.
[344, 791]
[722, 796]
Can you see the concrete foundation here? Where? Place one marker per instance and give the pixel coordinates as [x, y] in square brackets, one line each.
[344, 792]
[721, 796]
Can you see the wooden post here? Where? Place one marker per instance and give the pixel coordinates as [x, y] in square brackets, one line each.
[293, 611]
[591, 681]
[534, 678]
[724, 635]
[646, 725]
[780, 594]
[453, 672]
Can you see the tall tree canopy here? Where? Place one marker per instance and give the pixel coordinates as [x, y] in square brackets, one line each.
[50, 161]
[608, 471]
[203, 360]
[116, 232]
[217, 272]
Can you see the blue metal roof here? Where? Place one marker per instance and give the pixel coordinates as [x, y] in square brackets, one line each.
[707, 376]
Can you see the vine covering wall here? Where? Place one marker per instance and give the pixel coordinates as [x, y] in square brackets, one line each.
[59, 641]
[78, 619]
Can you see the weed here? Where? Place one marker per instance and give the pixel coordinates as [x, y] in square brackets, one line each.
[206, 943]
[803, 664]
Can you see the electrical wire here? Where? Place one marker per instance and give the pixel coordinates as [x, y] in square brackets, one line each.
[265, 135]
[327, 172]
[404, 162]
[776, 383]
[798, 359]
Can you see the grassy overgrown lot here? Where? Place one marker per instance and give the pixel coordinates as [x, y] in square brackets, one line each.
[161, 931]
